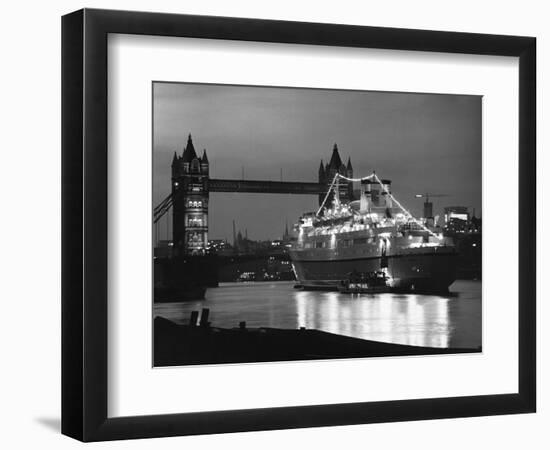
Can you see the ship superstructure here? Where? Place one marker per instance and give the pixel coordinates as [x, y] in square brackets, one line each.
[374, 233]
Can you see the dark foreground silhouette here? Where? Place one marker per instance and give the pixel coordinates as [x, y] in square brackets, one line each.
[176, 345]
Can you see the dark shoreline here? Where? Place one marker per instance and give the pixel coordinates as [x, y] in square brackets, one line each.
[176, 345]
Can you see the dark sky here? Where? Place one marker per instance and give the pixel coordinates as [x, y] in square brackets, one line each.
[422, 142]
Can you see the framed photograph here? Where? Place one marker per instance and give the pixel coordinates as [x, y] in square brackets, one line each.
[274, 225]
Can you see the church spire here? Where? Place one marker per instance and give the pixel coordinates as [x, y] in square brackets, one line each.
[175, 159]
[349, 167]
[204, 158]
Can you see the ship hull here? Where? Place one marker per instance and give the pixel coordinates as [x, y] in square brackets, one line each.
[432, 271]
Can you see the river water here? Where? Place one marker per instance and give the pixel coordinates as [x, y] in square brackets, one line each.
[452, 320]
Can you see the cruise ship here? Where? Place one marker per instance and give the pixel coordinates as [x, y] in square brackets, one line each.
[371, 235]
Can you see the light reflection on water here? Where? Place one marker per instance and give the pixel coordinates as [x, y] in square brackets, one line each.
[406, 319]
[423, 320]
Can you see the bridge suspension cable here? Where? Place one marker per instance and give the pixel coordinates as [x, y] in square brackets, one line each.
[163, 203]
[162, 208]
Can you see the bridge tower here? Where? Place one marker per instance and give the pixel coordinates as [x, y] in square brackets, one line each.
[190, 174]
[327, 173]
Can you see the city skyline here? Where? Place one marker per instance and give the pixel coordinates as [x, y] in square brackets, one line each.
[422, 142]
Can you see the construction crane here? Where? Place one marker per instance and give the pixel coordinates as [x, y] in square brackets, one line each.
[428, 205]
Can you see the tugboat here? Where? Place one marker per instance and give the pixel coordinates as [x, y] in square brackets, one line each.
[246, 277]
[364, 283]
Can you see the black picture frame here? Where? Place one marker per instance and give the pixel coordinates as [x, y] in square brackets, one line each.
[84, 224]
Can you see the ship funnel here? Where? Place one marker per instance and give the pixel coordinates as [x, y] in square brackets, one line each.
[365, 200]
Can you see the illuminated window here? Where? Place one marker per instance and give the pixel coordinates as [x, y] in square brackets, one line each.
[195, 222]
[195, 238]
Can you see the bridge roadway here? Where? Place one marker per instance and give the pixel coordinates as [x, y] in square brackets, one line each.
[267, 187]
[250, 186]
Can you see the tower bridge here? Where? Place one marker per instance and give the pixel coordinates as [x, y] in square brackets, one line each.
[191, 186]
